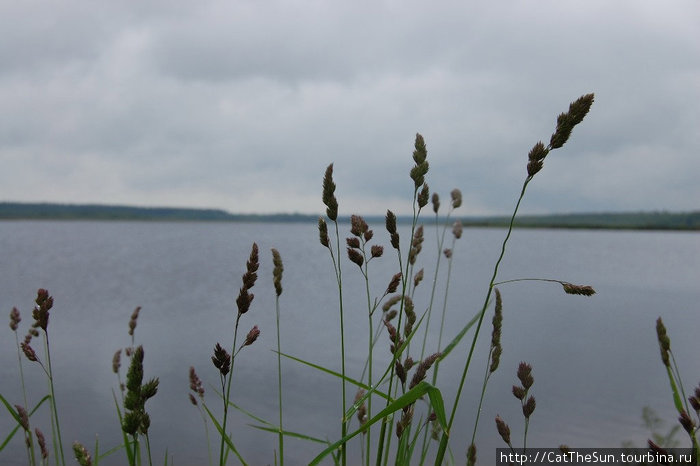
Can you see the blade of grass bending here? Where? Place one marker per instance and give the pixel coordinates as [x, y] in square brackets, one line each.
[249, 414]
[225, 437]
[288, 433]
[335, 374]
[16, 416]
[455, 341]
[406, 399]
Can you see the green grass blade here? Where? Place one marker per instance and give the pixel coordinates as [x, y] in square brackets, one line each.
[455, 341]
[225, 437]
[406, 399]
[14, 414]
[275, 430]
[335, 374]
[129, 452]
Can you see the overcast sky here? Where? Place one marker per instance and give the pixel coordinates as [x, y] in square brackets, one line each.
[241, 105]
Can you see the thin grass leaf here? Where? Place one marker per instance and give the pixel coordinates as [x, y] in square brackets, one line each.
[225, 437]
[16, 416]
[288, 433]
[406, 399]
[249, 414]
[129, 453]
[455, 341]
[674, 388]
[335, 374]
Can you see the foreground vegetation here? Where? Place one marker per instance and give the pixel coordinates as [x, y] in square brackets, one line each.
[392, 412]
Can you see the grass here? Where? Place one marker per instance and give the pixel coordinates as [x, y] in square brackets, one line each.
[390, 412]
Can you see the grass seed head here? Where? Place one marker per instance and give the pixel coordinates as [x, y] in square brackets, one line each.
[133, 320]
[23, 417]
[664, 342]
[435, 199]
[15, 319]
[456, 196]
[581, 290]
[82, 455]
[394, 284]
[277, 270]
[44, 302]
[471, 455]
[42, 443]
[221, 360]
[529, 407]
[253, 335]
[116, 361]
[328, 194]
[323, 232]
[503, 429]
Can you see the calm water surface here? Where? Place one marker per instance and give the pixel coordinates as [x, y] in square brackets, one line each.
[595, 360]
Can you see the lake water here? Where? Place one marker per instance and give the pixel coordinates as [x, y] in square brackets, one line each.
[595, 360]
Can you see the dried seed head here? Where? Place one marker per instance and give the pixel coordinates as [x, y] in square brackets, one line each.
[456, 196]
[193, 400]
[23, 417]
[686, 422]
[42, 443]
[423, 196]
[377, 250]
[328, 194]
[503, 429]
[15, 319]
[495, 358]
[538, 152]
[221, 360]
[436, 202]
[391, 314]
[358, 226]
[416, 245]
[529, 407]
[323, 232]
[82, 455]
[253, 335]
[362, 409]
[418, 277]
[497, 320]
[524, 374]
[196, 383]
[410, 316]
[400, 372]
[422, 369]
[394, 284]
[518, 392]
[28, 351]
[353, 242]
[133, 320]
[390, 221]
[656, 448]
[664, 342]
[582, 290]
[116, 361]
[448, 253]
[244, 297]
[471, 455]
[356, 257]
[566, 121]
[277, 270]
[391, 301]
[44, 302]
[457, 229]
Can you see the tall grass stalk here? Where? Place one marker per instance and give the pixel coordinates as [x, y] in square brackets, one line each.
[277, 280]
[565, 124]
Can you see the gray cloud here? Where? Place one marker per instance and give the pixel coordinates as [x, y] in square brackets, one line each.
[241, 105]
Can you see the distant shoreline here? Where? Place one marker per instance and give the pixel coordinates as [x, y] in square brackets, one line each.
[682, 221]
